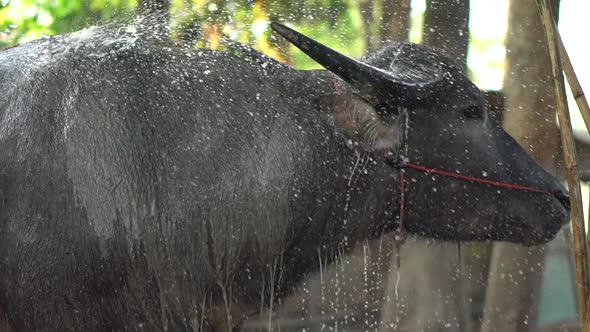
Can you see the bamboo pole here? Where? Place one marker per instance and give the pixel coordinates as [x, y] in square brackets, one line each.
[573, 179]
[582, 103]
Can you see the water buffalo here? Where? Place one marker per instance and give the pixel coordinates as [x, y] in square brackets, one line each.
[150, 186]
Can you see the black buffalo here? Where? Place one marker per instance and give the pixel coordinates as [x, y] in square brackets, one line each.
[148, 186]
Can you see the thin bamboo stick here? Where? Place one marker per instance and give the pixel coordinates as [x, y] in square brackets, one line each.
[582, 103]
[573, 179]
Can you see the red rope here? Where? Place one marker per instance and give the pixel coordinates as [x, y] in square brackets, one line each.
[386, 153]
[476, 179]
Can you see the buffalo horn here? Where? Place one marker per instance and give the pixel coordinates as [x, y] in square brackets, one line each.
[374, 84]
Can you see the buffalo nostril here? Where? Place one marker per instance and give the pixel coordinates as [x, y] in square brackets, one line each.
[563, 198]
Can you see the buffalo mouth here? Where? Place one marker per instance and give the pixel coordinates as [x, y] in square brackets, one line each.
[533, 235]
[532, 231]
[537, 226]
[514, 222]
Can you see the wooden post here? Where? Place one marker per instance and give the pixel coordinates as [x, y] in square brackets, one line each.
[446, 27]
[396, 21]
[567, 138]
[514, 286]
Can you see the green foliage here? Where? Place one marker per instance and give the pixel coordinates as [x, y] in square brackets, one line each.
[23, 20]
[349, 26]
[203, 23]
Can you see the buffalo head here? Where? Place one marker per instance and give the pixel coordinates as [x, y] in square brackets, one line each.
[420, 106]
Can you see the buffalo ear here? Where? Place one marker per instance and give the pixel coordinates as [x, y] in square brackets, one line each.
[358, 121]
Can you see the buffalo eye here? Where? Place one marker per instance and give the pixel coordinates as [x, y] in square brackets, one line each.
[472, 112]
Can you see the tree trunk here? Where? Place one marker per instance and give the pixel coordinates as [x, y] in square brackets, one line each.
[396, 21]
[446, 25]
[154, 18]
[514, 283]
[385, 21]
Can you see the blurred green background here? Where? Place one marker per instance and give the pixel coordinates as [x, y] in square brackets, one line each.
[342, 24]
